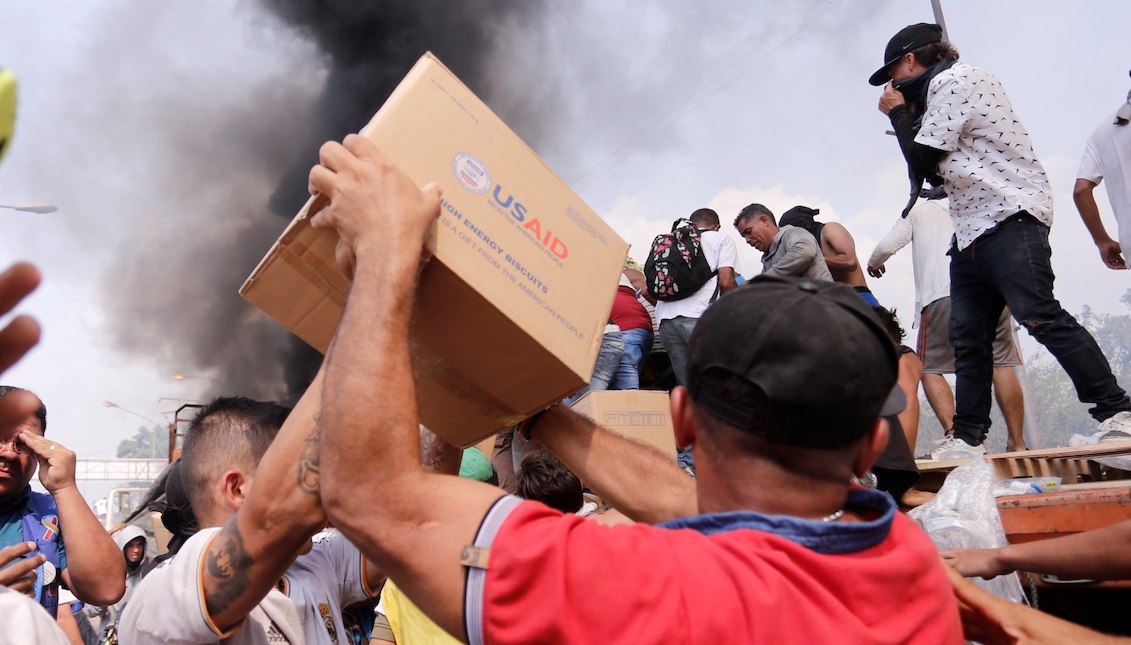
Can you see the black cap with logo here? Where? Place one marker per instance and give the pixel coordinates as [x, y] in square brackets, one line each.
[908, 39]
[797, 361]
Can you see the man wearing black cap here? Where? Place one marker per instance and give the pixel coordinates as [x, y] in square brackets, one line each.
[956, 127]
[769, 544]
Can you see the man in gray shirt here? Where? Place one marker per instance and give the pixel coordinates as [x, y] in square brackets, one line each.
[786, 251]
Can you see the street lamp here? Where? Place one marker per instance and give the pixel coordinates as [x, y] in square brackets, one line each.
[152, 444]
[182, 377]
[39, 209]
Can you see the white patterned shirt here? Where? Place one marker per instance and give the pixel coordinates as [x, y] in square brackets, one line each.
[991, 171]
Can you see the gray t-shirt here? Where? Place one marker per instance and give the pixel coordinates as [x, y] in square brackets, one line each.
[795, 253]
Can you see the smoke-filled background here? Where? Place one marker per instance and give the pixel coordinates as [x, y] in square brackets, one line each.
[176, 138]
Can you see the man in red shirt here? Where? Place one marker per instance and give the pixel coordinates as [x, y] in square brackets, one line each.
[636, 329]
[787, 381]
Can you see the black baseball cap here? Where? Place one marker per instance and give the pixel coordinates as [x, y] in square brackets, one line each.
[908, 39]
[797, 361]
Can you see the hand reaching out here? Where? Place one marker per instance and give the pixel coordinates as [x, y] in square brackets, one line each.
[975, 562]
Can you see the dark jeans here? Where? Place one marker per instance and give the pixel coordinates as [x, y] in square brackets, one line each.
[1011, 265]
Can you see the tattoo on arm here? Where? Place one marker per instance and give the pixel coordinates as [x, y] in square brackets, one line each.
[431, 449]
[308, 462]
[227, 564]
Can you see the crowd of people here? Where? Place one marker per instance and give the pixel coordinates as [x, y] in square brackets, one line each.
[795, 409]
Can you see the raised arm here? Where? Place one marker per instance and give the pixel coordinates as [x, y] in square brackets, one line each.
[897, 238]
[412, 523]
[1100, 554]
[1110, 252]
[279, 515]
[640, 283]
[96, 571]
[923, 160]
[637, 480]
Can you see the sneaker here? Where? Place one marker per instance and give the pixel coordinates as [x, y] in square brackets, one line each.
[955, 448]
[1116, 428]
[934, 446]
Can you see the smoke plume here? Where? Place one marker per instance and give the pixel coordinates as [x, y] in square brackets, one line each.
[232, 175]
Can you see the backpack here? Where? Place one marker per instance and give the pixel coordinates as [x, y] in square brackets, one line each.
[676, 267]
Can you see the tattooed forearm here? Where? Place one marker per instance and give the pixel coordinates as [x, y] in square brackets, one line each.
[227, 565]
[308, 461]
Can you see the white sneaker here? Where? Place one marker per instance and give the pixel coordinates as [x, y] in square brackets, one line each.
[955, 448]
[1116, 428]
[934, 446]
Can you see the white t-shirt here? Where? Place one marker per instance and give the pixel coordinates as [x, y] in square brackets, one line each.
[168, 605]
[720, 252]
[1108, 156]
[992, 171]
[26, 622]
[929, 229]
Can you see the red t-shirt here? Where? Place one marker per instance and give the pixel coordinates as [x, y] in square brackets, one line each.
[627, 311]
[561, 579]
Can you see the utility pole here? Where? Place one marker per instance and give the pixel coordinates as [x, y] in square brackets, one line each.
[936, 5]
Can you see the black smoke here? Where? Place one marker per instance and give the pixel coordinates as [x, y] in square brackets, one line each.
[219, 172]
[369, 47]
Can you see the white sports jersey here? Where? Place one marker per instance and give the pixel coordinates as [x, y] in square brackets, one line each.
[168, 605]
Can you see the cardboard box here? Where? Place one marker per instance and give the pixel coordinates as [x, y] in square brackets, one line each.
[644, 415]
[511, 309]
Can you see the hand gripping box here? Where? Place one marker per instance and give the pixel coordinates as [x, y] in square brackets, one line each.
[643, 415]
[511, 310]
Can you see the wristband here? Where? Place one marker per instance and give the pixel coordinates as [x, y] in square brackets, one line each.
[528, 423]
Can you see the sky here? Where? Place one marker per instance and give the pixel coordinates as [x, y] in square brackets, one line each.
[131, 113]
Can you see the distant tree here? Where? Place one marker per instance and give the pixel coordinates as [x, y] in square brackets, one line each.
[147, 443]
[1059, 413]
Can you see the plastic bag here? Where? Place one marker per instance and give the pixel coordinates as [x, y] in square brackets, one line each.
[1026, 486]
[1122, 462]
[964, 516]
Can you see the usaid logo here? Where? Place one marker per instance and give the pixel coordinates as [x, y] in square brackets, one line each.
[471, 173]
